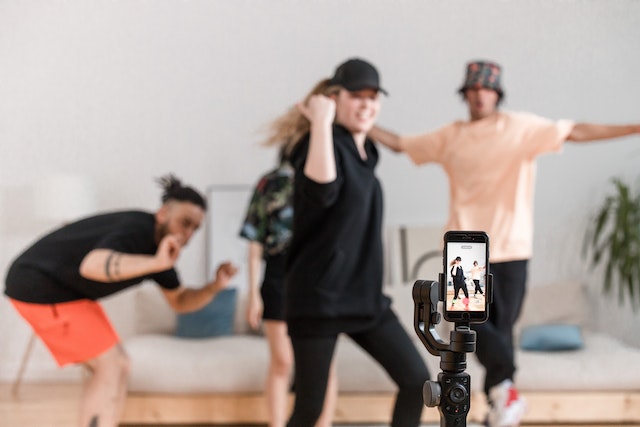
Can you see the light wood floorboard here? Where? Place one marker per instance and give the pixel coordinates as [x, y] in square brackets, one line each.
[55, 405]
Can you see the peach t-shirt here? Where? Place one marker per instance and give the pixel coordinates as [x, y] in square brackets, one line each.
[491, 168]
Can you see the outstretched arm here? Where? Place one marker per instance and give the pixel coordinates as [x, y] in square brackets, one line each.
[185, 299]
[386, 138]
[583, 132]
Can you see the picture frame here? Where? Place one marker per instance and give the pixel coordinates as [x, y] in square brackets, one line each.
[227, 207]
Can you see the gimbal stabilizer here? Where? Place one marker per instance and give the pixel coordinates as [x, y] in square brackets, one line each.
[451, 393]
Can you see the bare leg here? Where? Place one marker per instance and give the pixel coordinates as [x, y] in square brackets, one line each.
[279, 375]
[105, 391]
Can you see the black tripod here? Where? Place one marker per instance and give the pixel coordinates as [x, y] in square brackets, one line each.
[451, 392]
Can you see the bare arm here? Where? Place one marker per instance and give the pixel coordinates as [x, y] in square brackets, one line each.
[321, 163]
[106, 265]
[185, 299]
[386, 138]
[583, 132]
[255, 306]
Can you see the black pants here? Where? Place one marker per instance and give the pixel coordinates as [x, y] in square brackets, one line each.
[388, 343]
[476, 282]
[457, 285]
[494, 346]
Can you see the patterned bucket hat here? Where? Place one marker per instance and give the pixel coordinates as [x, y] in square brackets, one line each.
[482, 74]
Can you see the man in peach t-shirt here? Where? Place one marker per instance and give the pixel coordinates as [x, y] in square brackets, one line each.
[490, 162]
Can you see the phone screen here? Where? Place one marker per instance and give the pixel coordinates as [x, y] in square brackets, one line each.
[466, 265]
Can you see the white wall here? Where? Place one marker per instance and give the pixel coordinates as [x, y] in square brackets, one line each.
[121, 92]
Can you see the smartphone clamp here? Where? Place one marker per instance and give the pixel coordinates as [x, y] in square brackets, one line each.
[451, 392]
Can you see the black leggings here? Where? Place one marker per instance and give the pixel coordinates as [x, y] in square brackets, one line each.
[388, 343]
[494, 346]
[476, 282]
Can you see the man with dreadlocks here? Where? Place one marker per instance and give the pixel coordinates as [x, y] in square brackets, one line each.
[55, 285]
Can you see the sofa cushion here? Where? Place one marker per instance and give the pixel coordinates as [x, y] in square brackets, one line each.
[604, 363]
[555, 337]
[562, 302]
[212, 320]
[153, 315]
[168, 364]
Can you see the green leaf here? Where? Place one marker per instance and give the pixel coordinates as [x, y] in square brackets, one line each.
[613, 240]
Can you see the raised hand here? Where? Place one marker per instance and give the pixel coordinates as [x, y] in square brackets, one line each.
[320, 109]
[224, 273]
[168, 252]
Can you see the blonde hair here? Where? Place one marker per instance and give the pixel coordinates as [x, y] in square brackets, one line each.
[289, 128]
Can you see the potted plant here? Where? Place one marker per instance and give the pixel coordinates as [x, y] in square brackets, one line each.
[613, 240]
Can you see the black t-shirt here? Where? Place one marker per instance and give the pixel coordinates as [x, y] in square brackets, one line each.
[48, 271]
[334, 269]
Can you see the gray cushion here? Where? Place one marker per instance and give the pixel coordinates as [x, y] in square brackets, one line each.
[554, 337]
[213, 320]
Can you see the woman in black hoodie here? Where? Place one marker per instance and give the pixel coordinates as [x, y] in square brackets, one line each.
[334, 269]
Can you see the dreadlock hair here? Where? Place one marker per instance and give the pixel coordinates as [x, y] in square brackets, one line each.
[174, 190]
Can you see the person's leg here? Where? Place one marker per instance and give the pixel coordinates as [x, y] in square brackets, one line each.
[456, 290]
[390, 345]
[312, 356]
[330, 399]
[465, 290]
[494, 346]
[80, 332]
[279, 374]
[478, 289]
[105, 391]
[513, 276]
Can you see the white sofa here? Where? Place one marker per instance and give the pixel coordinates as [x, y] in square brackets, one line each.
[222, 379]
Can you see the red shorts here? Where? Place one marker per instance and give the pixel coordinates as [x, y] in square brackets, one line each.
[74, 331]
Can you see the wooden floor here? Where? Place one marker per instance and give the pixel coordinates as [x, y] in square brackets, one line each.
[55, 405]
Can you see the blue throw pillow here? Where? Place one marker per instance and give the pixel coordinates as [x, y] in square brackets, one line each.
[214, 319]
[556, 337]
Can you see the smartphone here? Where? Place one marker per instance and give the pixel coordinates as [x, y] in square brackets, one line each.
[467, 288]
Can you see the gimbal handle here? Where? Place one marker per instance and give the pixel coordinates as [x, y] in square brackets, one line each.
[426, 295]
[451, 393]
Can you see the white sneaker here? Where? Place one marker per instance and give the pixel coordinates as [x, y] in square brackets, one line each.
[507, 407]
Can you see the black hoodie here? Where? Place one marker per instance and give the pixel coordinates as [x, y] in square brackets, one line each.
[334, 269]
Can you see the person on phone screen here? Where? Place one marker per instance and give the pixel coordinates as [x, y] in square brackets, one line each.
[499, 148]
[56, 282]
[267, 227]
[459, 283]
[476, 273]
[334, 266]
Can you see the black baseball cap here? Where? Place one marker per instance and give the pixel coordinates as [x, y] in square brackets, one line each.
[357, 74]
